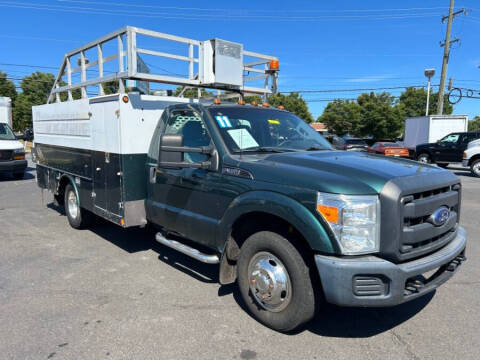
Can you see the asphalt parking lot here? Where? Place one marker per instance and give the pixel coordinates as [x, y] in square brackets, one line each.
[108, 293]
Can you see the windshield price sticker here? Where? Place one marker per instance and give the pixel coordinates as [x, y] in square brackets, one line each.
[276, 122]
[242, 138]
[223, 121]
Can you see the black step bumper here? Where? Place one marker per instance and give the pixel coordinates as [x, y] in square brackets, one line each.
[14, 166]
[371, 281]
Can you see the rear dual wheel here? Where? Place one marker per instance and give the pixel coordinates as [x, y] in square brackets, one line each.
[275, 282]
[78, 217]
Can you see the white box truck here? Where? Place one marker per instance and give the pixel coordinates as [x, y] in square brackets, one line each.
[430, 129]
[6, 110]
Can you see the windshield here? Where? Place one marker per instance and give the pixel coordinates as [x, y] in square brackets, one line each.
[6, 133]
[391, 145]
[254, 129]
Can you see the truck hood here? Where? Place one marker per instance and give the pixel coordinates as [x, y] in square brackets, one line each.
[10, 144]
[473, 143]
[334, 171]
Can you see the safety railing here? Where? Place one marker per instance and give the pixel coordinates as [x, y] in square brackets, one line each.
[126, 64]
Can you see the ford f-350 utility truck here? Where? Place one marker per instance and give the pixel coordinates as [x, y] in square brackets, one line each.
[255, 189]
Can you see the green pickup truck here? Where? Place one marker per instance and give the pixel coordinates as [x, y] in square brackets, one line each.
[255, 189]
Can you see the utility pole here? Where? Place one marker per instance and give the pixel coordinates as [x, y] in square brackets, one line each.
[446, 53]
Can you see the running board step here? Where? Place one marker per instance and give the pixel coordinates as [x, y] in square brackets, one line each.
[187, 250]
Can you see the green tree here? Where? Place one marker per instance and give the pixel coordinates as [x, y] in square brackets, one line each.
[294, 103]
[192, 93]
[7, 87]
[379, 116]
[474, 124]
[35, 91]
[414, 101]
[341, 116]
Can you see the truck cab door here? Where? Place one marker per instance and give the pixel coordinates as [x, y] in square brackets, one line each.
[447, 148]
[185, 199]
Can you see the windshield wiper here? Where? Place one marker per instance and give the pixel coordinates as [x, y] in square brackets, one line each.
[263, 149]
[314, 148]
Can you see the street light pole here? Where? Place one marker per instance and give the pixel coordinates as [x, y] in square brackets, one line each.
[428, 73]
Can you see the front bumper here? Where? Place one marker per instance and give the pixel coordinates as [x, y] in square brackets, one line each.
[465, 162]
[13, 166]
[371, 281]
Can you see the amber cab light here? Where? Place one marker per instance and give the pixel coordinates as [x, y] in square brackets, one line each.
[241, 102]
[266, 104]
[254, 103]
[273, 65]
[281, 107]
[217, 101]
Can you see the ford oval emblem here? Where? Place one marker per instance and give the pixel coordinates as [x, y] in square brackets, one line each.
[440, 216]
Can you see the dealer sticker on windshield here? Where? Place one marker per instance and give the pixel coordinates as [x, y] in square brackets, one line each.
[242, 138]
[223, 121]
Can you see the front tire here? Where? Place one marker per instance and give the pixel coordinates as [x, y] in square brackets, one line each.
[78, 218]
[475, 168]
[424, 158]
[275, 282]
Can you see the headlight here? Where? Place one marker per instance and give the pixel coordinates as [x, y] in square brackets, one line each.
[18, 154]
[354, 220]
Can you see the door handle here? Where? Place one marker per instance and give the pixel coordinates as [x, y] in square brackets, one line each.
[153, 175]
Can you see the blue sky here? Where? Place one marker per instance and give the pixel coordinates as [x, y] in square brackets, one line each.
[322, 45]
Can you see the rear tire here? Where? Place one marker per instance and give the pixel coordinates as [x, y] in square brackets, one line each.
[78, 217]
[424, 158]
[275, 282]
[475, 168]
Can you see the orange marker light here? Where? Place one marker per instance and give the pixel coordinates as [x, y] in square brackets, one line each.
[19, 157]
[254, 103]
[241, 102]
[281, 107]
[125, 99]
[266, 104]
[273, 65]
[330, 213]
[217, 101]
[122, 222]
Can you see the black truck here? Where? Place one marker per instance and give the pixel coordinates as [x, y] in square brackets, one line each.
[447, 150]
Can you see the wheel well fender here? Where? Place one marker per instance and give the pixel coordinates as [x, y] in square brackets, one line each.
[280, 206]
[66, 179]
[473, 158]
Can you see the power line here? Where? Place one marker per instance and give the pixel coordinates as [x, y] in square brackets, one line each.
[249, 10]
[347, 90]
[189, 16]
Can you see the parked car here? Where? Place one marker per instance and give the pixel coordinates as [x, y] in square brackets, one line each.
[471, 157]
[388, 149]
[351, 144]
[447, 150]
[12, 154]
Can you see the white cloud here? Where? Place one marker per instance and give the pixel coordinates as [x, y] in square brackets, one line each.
[370, 78]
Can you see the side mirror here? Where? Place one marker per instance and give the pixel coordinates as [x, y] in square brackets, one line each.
[172, 154]
[171, 141]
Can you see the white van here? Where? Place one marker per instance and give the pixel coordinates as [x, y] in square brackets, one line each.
[12, 153]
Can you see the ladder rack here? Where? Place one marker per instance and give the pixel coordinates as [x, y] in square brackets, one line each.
[126, 64]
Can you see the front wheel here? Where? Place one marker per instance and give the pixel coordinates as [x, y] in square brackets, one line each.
[275, 282]
[475, 168]
[78, 217]
[424, 158]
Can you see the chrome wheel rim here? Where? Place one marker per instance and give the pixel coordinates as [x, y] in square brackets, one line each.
[423, 159]
[72, 204]
[476, 168]
[269, 282]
